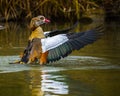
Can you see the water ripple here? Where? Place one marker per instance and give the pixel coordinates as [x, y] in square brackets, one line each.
[69, 63]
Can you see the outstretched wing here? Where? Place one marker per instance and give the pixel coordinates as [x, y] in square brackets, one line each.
[56, 32]
[73, 41]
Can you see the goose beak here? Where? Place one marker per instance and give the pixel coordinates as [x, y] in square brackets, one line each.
[47, 20]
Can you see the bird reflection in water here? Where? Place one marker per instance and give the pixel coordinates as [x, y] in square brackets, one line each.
[47, 84]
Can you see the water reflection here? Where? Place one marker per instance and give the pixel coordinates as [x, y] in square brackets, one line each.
[53, 84]
[72, 76]
[47, 84]
[34, 78]
[14, 35]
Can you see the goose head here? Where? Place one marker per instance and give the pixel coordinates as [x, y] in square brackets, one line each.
[37, 21]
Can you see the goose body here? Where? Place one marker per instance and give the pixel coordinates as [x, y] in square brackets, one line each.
[58, 44]
[54, 48]
[53, 42]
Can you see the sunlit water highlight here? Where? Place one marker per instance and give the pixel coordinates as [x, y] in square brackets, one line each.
[70, 62]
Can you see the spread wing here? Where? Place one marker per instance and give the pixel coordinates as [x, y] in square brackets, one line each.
[70, 42]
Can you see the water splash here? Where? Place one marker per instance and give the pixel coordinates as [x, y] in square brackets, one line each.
[71, 62]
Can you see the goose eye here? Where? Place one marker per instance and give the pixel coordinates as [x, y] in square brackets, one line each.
[42, 18]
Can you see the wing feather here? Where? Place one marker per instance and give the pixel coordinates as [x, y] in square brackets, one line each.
[76, 41]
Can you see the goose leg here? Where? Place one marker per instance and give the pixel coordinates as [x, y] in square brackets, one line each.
[43, 58]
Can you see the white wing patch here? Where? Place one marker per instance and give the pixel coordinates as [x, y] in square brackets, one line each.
[53, 42]
[46, 32]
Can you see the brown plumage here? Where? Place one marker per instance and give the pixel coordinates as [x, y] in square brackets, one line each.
[58, 45]
[34, 51]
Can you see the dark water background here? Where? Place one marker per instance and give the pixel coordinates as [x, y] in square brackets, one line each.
[92, 71]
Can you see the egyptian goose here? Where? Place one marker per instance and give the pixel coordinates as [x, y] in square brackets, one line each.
[57, 46]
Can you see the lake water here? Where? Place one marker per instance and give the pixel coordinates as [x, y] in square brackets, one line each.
[92, 71]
